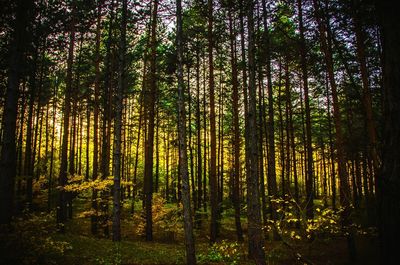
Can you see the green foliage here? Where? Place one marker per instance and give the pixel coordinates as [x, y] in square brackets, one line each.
[228, 252]
[77, 183]
[32, 240]
[293, 224]
[166, 218]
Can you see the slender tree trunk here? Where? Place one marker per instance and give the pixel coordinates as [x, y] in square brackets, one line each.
[272, 186]
[309, 150]
[116, 226]
[187, 214]
[96, 119]
[236, 129]
[281, 131]
[62, 181]
[28, 164]
[149, 146]
[190, 146]
[198, 126]
[325, 41]
[389, 177]
[255, 234]
[8, 160]
[106, 122]
[53, 129]
[213, 142]
[205, 140]
[287, 128]
[366, 91]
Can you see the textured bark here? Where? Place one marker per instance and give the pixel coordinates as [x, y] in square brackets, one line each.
[366, 91]
[272, 186]
[326, 46]
[236, 129]
[389, 175]
[309, 156]
[117, 152]
[8, 160]
[255, 234]
[28, 164]
[187, 214]
[213, 140]
[62, 180]
[198, 126]
[150, 99]
[95, 171]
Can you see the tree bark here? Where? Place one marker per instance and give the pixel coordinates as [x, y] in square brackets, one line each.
[236, 129]
[213, 142]
[8, 162]
[116, 226]
[62, 181]
[149, 145]
[389, 178]
[309, 153]
[187, 214]
[255, 234]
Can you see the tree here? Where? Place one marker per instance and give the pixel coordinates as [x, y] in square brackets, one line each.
[63, 176]
[95, 166]
[236, 142]
[255, 234]
[213, 137]
[118, 127]
[187, 212]
[304, 75]
[389, 175]
[8, 160]
[150, 113]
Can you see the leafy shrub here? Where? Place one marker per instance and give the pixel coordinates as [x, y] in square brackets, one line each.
[224, 251]
[31, 242]
[292, 222]
[166, 218]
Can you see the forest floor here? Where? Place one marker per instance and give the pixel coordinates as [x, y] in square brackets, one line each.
[34, 241]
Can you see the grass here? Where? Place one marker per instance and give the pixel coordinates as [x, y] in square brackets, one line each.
[86, 249]
[90, 250]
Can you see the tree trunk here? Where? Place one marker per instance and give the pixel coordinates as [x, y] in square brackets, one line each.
[96, 118]
[309, 152]
[149, 145]
[62, 181]
[8, 160]
[389, 177]
[325, 42]
[116, 226]
[236, 129]
[213, 142]
[255, 234]
[272, 186]
[187, 214]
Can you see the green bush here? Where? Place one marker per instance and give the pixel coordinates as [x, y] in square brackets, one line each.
[30, 241]
[224, 251]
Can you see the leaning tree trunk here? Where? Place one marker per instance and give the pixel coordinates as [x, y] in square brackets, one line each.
[326, 46]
